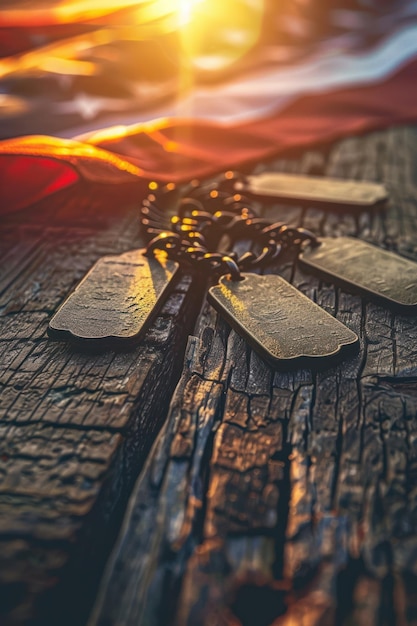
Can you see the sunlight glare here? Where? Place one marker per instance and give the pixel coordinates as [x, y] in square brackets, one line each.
[185, 11]
[216, 33]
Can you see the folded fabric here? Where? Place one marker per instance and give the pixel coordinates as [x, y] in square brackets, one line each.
[326, 95]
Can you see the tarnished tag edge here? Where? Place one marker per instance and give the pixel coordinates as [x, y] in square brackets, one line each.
[66, 335]
[355, 288]
[378, 202]
[318, 362]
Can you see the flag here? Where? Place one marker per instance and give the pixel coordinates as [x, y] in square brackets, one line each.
[76, 108]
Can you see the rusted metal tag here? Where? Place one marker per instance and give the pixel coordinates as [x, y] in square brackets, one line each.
[116, 299]
[314, 190]
[365, 269]
[282, 324]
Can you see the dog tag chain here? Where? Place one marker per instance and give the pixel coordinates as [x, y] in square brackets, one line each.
[279, 322]
[117, 299]
[357, 266]
[284, 326]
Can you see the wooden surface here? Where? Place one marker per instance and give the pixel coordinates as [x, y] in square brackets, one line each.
[267, 498]
[75, 426]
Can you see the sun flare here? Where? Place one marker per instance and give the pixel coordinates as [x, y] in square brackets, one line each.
[216, 33]
[212, 35]
[185, 11]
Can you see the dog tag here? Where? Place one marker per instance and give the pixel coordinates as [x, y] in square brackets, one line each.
[115, 300]
[314, 190]
[364, 268]
[282, 324]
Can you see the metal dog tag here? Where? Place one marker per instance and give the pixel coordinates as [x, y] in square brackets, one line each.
[364, 268]
[314, 190]
[115, 300]
[282, 324]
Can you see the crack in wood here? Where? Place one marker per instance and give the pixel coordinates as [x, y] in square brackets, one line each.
[338, 478]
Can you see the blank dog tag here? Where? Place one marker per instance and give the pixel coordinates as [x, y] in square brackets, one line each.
[314, 190]
[282, 324]
[366, 269]
[116, 299]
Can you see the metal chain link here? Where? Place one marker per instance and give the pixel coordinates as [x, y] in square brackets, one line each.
[189, 228]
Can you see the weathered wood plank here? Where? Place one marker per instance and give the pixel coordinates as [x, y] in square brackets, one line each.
[75, 424]
[274, 498]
